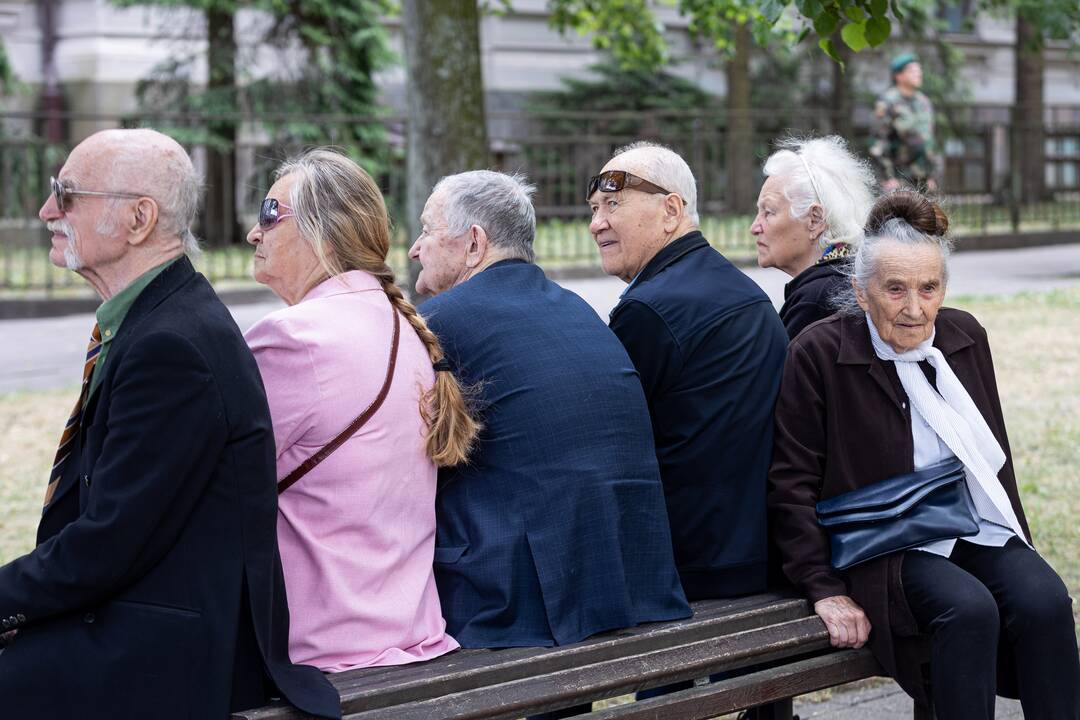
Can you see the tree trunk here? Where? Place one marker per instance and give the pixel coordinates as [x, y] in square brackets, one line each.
[740, 191]
[841, 117]
[51, 103]
[447, 132]
[219, 221]
[1028, 142]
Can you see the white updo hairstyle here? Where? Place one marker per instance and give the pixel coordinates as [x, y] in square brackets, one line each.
[823, 171]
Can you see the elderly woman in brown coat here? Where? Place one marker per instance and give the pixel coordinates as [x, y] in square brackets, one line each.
[900, 384]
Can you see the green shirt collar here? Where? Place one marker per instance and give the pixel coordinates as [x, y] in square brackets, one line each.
[113, 311]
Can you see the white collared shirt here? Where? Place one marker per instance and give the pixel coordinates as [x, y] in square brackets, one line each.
[930, 450]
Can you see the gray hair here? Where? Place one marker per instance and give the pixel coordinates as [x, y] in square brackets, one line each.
[823, 171]
[864, 264]
[498, 202]
[164, 172]
[666, 168]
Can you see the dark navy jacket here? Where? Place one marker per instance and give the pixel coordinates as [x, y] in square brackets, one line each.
[709, 348]
[156, 588]
[556, 528]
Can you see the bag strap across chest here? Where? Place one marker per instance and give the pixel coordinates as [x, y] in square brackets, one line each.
[324, 452]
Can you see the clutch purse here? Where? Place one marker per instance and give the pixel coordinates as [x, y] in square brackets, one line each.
[902, 512]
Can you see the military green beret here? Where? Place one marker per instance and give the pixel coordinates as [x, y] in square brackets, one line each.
[901, 61]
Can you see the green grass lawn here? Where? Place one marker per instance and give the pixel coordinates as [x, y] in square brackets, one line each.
[1036, 347]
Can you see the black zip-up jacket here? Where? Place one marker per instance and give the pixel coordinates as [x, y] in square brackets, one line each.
[709, 348]
[809, 296]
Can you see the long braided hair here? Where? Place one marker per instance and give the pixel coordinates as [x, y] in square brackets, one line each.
[340, 210]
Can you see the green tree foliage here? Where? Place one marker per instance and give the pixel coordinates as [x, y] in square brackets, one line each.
[321, 90]
[632, 32]
[1054, 19]
[7, 75]
[615, 93]
[616, 96]
[630, 29]
[345, 44]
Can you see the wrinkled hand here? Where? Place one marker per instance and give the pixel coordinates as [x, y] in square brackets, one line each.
[846, 621]
[6, 638]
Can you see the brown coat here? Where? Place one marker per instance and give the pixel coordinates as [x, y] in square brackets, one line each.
[843, 421]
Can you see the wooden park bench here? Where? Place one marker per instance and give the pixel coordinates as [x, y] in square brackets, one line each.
[776, 631]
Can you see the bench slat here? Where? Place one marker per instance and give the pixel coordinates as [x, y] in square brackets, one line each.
[609, 678]
[371, 688]
[725, 696]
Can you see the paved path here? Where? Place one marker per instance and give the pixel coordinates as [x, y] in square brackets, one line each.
[39, 354]
[880, 702]
[990, 272]
[45, 353]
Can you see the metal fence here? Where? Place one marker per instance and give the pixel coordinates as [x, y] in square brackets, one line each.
[558, 152]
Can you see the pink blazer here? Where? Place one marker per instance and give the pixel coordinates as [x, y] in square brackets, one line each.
[357, 533]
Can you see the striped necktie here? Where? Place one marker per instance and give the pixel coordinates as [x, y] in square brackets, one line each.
[71, 429]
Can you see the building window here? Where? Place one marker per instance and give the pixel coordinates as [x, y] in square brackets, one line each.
[957, 15]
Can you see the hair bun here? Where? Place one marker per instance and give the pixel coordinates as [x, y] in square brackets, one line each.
[917, 210]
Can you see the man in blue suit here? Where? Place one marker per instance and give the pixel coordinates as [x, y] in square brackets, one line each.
[556, 528]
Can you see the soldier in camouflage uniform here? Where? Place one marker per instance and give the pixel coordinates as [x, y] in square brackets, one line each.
[903, 146]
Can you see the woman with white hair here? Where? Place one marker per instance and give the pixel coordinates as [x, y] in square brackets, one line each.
[893, 496]
[810, 217]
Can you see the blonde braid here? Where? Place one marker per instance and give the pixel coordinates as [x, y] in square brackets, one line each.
[452, 430]
[340, 211]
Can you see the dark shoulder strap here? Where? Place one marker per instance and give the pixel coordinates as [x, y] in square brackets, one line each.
[356, 424]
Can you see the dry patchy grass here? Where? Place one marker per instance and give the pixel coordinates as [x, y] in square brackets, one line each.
[30, 425]
[1036, 347]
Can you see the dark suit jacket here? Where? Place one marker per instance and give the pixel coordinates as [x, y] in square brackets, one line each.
[843, 421]
[156, 588]
[556, 528]
[709, 348]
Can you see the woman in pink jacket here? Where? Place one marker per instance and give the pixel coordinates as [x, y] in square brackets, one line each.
[356, 532]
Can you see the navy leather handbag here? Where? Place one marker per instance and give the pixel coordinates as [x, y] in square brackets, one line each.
[902, 512]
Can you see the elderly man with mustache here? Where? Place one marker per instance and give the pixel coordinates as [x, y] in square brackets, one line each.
[155, 588]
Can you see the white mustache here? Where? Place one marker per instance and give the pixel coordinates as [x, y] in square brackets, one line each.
[71, 255]
[61, 226]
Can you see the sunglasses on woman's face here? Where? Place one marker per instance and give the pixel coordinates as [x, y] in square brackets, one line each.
[616, 180]
[270, 214]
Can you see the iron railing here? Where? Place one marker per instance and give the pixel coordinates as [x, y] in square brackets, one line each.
[558, 152]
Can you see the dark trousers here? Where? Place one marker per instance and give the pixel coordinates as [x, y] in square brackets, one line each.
[982, 596]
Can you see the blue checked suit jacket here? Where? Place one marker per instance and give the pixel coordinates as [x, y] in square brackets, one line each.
[556, 529]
